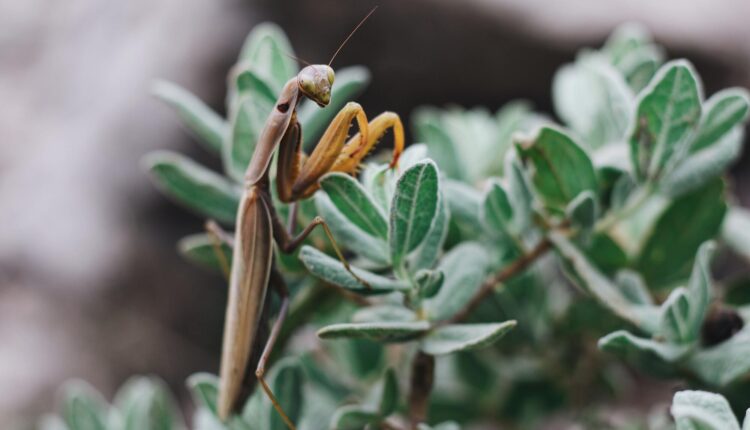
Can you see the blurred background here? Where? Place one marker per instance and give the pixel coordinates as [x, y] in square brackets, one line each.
[91, 286]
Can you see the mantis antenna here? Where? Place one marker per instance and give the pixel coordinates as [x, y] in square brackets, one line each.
[351, 34]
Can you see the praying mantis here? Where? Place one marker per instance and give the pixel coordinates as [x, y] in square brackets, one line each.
[259, 225]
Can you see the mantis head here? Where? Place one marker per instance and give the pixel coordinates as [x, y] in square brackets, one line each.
[315, 82]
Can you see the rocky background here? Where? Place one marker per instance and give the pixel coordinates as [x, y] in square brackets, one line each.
[90, 284]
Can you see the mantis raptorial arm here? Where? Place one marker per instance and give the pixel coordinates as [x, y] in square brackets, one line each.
[297, 177]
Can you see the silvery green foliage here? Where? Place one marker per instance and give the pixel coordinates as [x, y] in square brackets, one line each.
[623, 200]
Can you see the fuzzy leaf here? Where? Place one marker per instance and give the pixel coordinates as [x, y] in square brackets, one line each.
[724, 363]
[736, 231]
[704, 165]
[700, 410]
[582, 210]
[349, 83]
[465, 267]
[332, 270]
[668, 111]
[193, 185]
[199, 249]
[463, 337]
[83, 407]
[670, 247]
[377, 331]
[146, 404]
[496, 213]
[377, 313]
[429, 129]
[429, 282]
[561, 169]
[633, 348]
[286, 381]
[675, 324]
[199, 118]
[590, 279]
[249, 82]
[271, 55]
[723, 112]
[388, 394]
[351, 199]
[413, 209]
[248, 118]
[594, 100]
[205, 390]
[350, 236]
[427, 253]
[353, 417]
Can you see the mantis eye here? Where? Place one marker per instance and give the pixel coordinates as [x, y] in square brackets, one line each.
[330, 76]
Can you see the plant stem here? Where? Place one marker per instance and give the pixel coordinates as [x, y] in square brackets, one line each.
[509, 271]
[422, 378]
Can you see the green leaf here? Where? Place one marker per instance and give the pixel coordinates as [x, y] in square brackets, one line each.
[351, 199]
[633, 288]
[429, 282]
[594, 100]
[83, 407]
[271, 55]
[637, 349]
[496, 213]
[631, 50]
[670, 247]
[704, 165]
[250, 83]
[51, 422]
[332, 270]
[145, 404]
[463, 337]
[199, 249]
[724, 363]
[201, 119]
[193, 185]
[668, 111]
[205, 389]
[582, 210]
[699, 288]
[353, 417]
[378, 331]
[735, 231]
[430, 130]
[463, 205]
[723, 112]
[378, 313]
[349, 83]
[675, 324]
[286, 381]
[388, 393]
[248, 118]
[448, 425]
[427, 253]
[561, 169]
[465, 268]
[413, 209]
[701, 410]
[591, 280]
[519, 194]
[350, 236]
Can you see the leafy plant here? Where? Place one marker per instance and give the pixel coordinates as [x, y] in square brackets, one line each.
[470, 247]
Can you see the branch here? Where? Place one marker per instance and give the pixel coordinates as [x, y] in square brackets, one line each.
[509, 271]
[422, 378]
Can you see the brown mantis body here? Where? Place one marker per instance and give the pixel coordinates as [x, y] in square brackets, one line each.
[258, 224]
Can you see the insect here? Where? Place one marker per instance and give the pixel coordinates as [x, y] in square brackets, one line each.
[258, 224]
